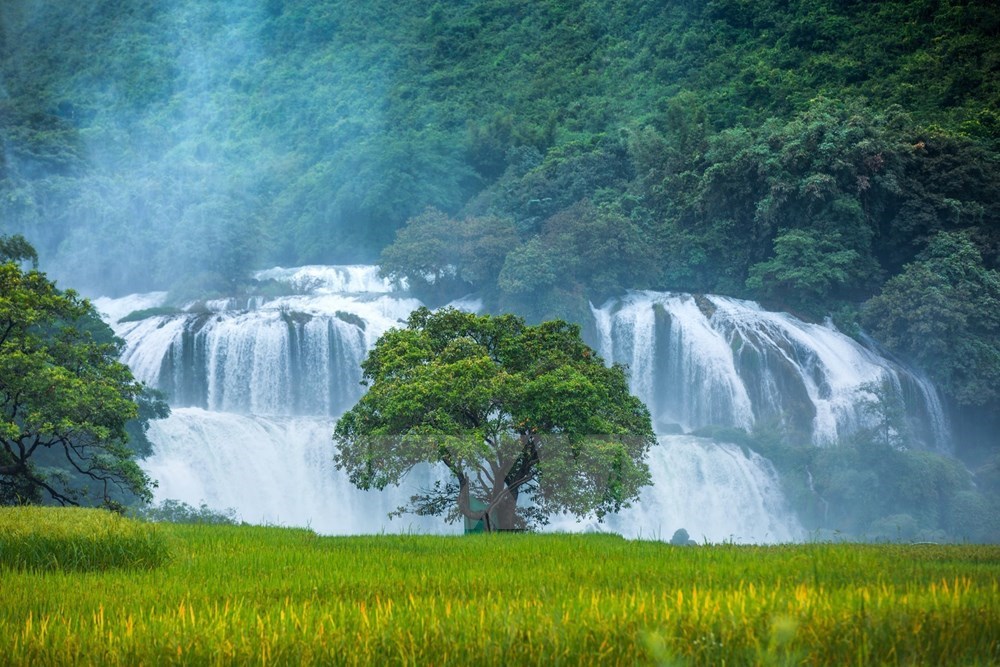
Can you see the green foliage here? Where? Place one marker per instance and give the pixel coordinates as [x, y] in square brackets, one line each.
[947, 183]
[66, 399]
[886, 411]
[595, 249]
[566, 151]
[442, 258]
[144, 142]
[867, 489]
[176, 511]
[943, 311]
[510, 410]
[151, 404]
[17, 249]
[146, 313]
[804, 272]
[787, 210]
[76, 539]
[540, 186]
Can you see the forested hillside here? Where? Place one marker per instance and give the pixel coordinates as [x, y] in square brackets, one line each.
[812, 155]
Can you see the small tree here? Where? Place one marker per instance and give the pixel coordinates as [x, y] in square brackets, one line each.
[808, 268]
[884, 406]
[513, 411]
[65, 399]
[442, 258]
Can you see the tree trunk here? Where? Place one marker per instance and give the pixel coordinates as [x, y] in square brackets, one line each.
[504, 512]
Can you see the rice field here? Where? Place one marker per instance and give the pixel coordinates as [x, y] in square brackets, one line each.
[256, 595]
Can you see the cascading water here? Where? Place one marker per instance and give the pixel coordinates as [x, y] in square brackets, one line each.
[256, 386]
[709, 360]
[716, 491]
[298, 354]
[273, 470]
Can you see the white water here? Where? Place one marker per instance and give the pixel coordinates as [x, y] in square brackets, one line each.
[727, 362]
[713, 490]
[273, 471]
[351, 279]
[256, 388]
[293, 355]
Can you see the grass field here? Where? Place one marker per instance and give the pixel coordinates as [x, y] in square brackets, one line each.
[49, 538]
[254, 595]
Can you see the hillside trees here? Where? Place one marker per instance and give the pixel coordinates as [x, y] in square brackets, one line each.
[65, 400]
[943, 312]
[442, 258]
[586, 249]
[946, 183]
[775, 203]
[328, 124]
[512, 411]
[806, 269]
[808, 215]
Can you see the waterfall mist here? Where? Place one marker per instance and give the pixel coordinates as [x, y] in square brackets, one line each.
[274, 470]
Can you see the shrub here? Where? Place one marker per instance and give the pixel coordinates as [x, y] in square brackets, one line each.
[178, 511]
[146, 313]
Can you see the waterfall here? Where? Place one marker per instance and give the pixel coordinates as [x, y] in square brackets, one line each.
[293, 355]
[709, 360]
[715, 491]
[351, 279]
[276, 470]
[256, 385]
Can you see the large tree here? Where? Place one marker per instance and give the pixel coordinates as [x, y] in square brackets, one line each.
[515, 412]
[65, 399]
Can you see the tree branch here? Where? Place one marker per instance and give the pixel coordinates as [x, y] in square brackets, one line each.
[57, 496]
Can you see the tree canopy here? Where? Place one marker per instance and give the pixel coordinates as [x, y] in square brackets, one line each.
[65, 400]
[943, 311]
[442, 258]
[514, 412]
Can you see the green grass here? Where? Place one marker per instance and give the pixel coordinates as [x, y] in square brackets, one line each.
[253, 595]
[73, 538]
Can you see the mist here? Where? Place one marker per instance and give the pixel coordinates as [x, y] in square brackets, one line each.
[182, 145]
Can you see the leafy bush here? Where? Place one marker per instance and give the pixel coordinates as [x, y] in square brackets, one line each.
[177, 511]
[868, 490]
[943, 311]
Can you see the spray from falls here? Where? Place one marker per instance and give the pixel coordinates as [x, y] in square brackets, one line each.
[255, 388]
